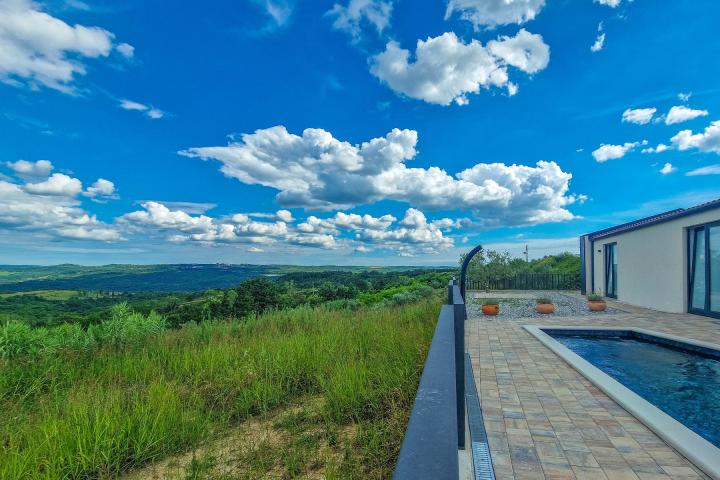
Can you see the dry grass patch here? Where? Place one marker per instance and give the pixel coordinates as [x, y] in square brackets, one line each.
[291, 442]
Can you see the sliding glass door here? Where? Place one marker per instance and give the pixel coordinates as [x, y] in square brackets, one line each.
[704, 266]
[611, 270]
[714, 267]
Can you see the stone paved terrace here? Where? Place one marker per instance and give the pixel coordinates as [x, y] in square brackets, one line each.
[546, 421]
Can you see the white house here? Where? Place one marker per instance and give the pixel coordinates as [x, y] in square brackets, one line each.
[668, 262]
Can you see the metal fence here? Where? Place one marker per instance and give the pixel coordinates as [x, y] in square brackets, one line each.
[437, 423]
[527, 281]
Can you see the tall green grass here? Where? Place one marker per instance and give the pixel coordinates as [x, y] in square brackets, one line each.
[95, 403]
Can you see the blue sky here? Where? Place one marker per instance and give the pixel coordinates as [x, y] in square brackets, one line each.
[348, 132]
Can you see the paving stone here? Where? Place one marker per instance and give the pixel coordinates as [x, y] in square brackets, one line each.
[625, 473]
[586, 473]
[581, 459]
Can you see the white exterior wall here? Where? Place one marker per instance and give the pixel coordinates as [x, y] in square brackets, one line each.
[588, 263]
[652, 263]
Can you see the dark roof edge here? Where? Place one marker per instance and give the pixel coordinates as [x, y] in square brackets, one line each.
[654, 220]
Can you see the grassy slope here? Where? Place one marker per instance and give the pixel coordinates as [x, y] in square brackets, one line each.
[103, 411]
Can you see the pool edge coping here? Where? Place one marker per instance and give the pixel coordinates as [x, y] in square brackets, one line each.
[692, 446]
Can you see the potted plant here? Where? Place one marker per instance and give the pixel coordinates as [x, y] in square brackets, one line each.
[490, 307]
[544, 306]
[596, 303]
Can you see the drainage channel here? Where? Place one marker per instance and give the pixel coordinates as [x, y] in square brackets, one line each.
[482, 462]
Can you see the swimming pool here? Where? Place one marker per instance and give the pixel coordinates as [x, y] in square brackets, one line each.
[682, 383]
[671, 384]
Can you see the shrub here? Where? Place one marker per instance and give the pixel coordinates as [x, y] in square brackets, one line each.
[17, 338]
[72, 337]
[406, 296]
[125, 327]
[544, 301]
[343, 304]
[594, 297]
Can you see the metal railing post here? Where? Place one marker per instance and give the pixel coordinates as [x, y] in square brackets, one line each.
[459, 314]
[450, 291]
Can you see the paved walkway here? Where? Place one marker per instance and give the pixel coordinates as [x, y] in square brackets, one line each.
[546, 421]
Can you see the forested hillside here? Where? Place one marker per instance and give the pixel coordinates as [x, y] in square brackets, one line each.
[335, 289]
[150, 278]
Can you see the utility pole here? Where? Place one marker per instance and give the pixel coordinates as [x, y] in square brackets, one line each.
[526, 254]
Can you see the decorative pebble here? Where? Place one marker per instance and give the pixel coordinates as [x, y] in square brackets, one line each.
[514, 304]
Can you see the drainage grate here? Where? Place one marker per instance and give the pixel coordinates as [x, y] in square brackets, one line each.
[482, 462]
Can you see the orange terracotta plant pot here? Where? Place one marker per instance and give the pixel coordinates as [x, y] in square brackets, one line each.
[545, 308]
[490, 309]
[597, 306]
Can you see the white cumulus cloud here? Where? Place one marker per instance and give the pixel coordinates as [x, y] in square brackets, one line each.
[107, 234]
[160, 216]
[640, 116]
[284, 216]
[609, 3]
[318, 172]
[31, 170]
[707, 141]
[607, 152]
[598, 44]
[148, 110]
[661, 147]
[57, 184]
[413, 230]
[681, 113]
[183, 226]
[327, 242]
[37, 49]
[491, 13]
[446, 69]
[126, 50]
[412, 235]
[351, 17]
[101, 189]
[667, 168]
[51, 209]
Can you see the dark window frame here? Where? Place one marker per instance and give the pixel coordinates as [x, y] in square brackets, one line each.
[608, 267]
[691, 254]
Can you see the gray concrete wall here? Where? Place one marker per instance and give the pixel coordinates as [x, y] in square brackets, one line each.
[652, 263]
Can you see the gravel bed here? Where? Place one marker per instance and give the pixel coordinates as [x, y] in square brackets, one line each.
[522, 305]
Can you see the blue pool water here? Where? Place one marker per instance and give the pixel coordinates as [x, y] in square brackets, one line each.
[682, 383]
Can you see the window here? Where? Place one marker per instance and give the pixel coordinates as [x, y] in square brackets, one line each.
[611, 270]
[697, 275]
[714, 267]
[704, 269]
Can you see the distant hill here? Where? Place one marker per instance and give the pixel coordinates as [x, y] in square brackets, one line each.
[149, 278]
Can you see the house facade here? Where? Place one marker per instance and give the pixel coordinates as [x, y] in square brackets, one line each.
[668, 262]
